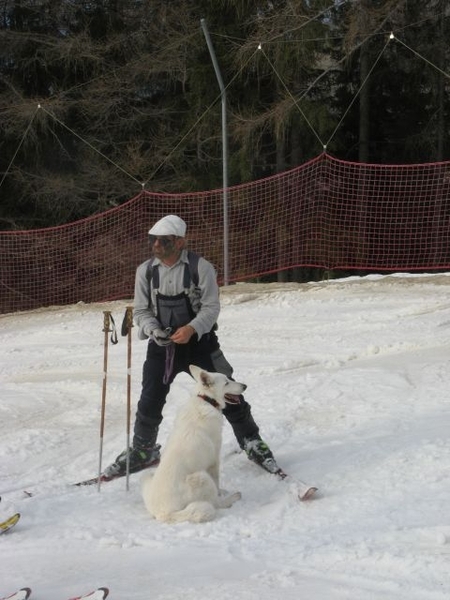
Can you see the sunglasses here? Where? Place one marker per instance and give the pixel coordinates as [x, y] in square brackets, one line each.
[164, 240]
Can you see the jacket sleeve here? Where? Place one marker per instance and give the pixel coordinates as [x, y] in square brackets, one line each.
[144, 316]
[205, 300]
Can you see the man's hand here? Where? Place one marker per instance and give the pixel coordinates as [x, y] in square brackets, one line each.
[161, 337]
[183, 335]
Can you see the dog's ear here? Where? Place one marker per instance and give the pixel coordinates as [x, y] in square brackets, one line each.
[195, 371]
[205, 379]
[200, 375]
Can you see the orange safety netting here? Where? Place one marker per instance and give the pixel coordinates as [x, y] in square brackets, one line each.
[326, 213]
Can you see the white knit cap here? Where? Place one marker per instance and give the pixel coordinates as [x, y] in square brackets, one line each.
[169, 225]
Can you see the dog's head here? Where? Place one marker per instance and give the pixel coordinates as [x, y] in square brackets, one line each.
[217, 387]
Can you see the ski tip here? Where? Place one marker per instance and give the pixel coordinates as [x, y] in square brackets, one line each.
[9, 523]
[86, 482]
[308, 495]
[21, 594]
[98, 594]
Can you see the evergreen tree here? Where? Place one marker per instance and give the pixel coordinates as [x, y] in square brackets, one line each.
[129, 96]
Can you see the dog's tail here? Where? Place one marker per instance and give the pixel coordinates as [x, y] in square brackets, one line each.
[195, 512]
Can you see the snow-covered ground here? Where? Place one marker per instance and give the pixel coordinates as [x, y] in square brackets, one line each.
[349, 382]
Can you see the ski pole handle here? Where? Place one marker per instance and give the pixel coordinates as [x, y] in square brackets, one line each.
[106, 321]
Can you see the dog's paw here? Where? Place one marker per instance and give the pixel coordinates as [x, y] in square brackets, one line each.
[228, 500]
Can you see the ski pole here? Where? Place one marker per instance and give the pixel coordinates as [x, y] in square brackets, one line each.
[106, 329]
[126, 330]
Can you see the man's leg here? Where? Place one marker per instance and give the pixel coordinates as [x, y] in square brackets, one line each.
[207, 355]
[153, 397]
[239, 415]
[145, 451]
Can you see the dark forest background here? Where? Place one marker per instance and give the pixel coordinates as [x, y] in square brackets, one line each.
[98, 98]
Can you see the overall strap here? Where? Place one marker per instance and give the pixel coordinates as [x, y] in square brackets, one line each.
[190, 272]
[155, 277]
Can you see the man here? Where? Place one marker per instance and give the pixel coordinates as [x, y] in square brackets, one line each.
[178, 314]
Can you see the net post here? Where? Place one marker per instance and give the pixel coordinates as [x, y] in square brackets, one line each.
[224, 151]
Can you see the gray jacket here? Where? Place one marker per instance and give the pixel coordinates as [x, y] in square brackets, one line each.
[204, 298]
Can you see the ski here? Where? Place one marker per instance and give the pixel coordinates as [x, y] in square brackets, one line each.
[105, 477]
[22, 594]
[102, 479]
[8, 523]
[98, 594]
[86, 482]
[302, 490]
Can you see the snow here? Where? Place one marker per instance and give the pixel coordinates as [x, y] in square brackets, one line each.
[348, 380]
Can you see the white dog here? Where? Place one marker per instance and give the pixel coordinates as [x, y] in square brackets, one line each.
[185, 485]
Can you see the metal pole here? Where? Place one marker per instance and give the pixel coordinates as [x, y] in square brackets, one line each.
[224, 150]
[106, 329]
[129, 325]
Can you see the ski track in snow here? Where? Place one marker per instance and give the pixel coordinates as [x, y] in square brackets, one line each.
[348, 380]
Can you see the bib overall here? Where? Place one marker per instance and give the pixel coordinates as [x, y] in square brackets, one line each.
[174, 312]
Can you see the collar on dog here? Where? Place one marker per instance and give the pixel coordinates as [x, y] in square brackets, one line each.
[209, 400]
